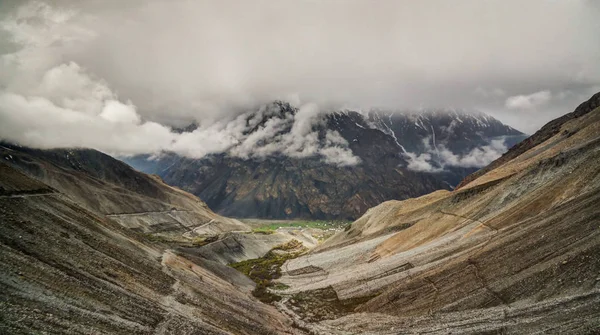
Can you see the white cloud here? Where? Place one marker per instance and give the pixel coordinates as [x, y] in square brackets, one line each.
[72, 109]
[477, 157]
[295, 135]
[49, 103]
[38, 122]
[421, 162]
[435, 159]
[92, 64]
[116, 111]
[528, 102]
[339, 156]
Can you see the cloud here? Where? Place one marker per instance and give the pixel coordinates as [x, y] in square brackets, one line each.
[71, 108]
[295, 135]
[116, 111]
[115, 127]
[38, 122]
[48, 103]
[339, 156]
[487, 93]
[528, 102]
[336, 150]
[421, 162]
[167, 63]
[477, 157]
[435, 159]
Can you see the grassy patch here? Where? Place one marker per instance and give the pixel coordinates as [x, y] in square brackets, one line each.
[324, 225]
[279, 286]
[157, 238]
[178, 240]
[264, 231]
[289, 246]
[267, 268]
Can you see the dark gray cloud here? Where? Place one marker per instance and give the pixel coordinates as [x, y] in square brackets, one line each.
[109, 74]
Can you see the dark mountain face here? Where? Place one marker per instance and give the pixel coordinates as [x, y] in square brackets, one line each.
[280, 187]
[284, 186]
[459, 131]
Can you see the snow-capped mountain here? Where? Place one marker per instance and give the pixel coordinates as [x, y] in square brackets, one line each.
[460, 131]
[287, 162]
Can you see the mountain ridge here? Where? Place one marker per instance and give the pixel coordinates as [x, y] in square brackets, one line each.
[547, 131]
[234, 186]
[107, 186]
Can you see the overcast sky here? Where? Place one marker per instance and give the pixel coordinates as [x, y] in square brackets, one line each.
[110, 74]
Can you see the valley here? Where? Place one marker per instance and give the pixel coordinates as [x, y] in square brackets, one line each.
[89, 245]
[321, 230]
[237, 167]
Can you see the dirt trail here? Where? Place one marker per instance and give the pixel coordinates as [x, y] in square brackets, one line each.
[149, 212]
[27, 194]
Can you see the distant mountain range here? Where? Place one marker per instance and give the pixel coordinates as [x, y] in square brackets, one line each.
[385, 155]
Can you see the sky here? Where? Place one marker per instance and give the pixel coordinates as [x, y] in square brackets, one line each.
[116, 75]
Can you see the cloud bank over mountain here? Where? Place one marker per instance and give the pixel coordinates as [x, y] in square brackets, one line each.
[115, 76]
[435, 159]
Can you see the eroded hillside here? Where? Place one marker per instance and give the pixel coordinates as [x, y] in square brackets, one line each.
[109, 187]
[69, 269]
[514, 250]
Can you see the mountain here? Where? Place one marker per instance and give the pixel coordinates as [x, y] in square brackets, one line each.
[458, 130]
[399, 156]
[78, 254]
[513, 250]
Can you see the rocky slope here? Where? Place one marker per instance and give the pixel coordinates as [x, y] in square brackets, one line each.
[66, 269]
[514, 250]
[109, 187]
[546, 132]
[280, 186]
